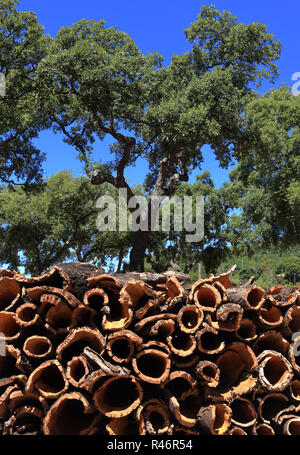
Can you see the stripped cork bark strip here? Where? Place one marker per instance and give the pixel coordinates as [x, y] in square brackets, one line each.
[87, 352]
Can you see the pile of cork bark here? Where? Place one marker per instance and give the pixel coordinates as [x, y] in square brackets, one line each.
[85, 352]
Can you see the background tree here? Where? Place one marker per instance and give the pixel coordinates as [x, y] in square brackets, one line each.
[22, 45]
[55, 224]
[267, 177]
[95, 82]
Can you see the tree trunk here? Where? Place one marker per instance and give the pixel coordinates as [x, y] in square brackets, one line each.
[137, 253]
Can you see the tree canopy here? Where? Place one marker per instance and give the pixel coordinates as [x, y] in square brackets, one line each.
[94, 81]
[22, 46]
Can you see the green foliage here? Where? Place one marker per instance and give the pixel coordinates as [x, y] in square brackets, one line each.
[269, 267]
[22, 46]
[267, 177]
[55, 224]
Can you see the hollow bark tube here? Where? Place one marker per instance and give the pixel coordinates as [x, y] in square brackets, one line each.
[36, 294]
[118, 396]
[243, 412]
[123, 426]
[294, 351]
[119, 315]
[121, 345]
[271, 340]
[228, 317]
[48, 379]
[27, 316]
[270, 318]
[294, 389]
[207, 297]
[25, 421]
[59, 317]
[179, 384]
[263, 429]
[250, 297]
[153, 417]
[37, 347]
[9, 292]
[282, 296]
[274, 371]
[137, 293]
[291, 322]
[292, 426]
[186, 410]
[95, 298]
[190, 318]
[215, 419]
[152, 365]
[247, 331]
[104, 281]
[83, 316]
[69, 415]
[269, 406]
[77, 371]
[208, 373]
[209, 341]
[182, 344]
[77, 340]
[9, 326]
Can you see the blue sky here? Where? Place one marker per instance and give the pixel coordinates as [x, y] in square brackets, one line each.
[158, 25]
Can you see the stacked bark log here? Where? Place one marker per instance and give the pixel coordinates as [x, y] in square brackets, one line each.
[85, 352]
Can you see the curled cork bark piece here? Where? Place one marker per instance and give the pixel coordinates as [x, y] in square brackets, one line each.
[182, 344]
[208, 373]
[83, 316]
[247, 331]
[137, 294]
[294, 390]
[206, 297]
[77, 371]
[151, 365]
[263, 429]
[38, 347]
[104, 367]
[153, 417]
[282, 296]
[292, 426]
[154, 344]
[270, 318]
[235, 360]
[27, 316]
[123, 426]
[118, 396]
[75, 274]
[48, 379]
[270, 405]
[175, 294]
[271, 340]
[59, 318]
[249, 297]
[186, 410]
[179, 384]
[215, 419]
[291, 322]
[11, 364]
[4, 398]
[95, 298]
[36, 293]
[9, 291]
[274, 371]
[9, 327]
[77, 340]
[236, 431]
[70, 414]
[117, 315]
[104, 281]
[27, 420]
[121, 345]
[151, 320]
[190, 318]
[228, 317]
[20, 398]
[243, 412]
[209, 341]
